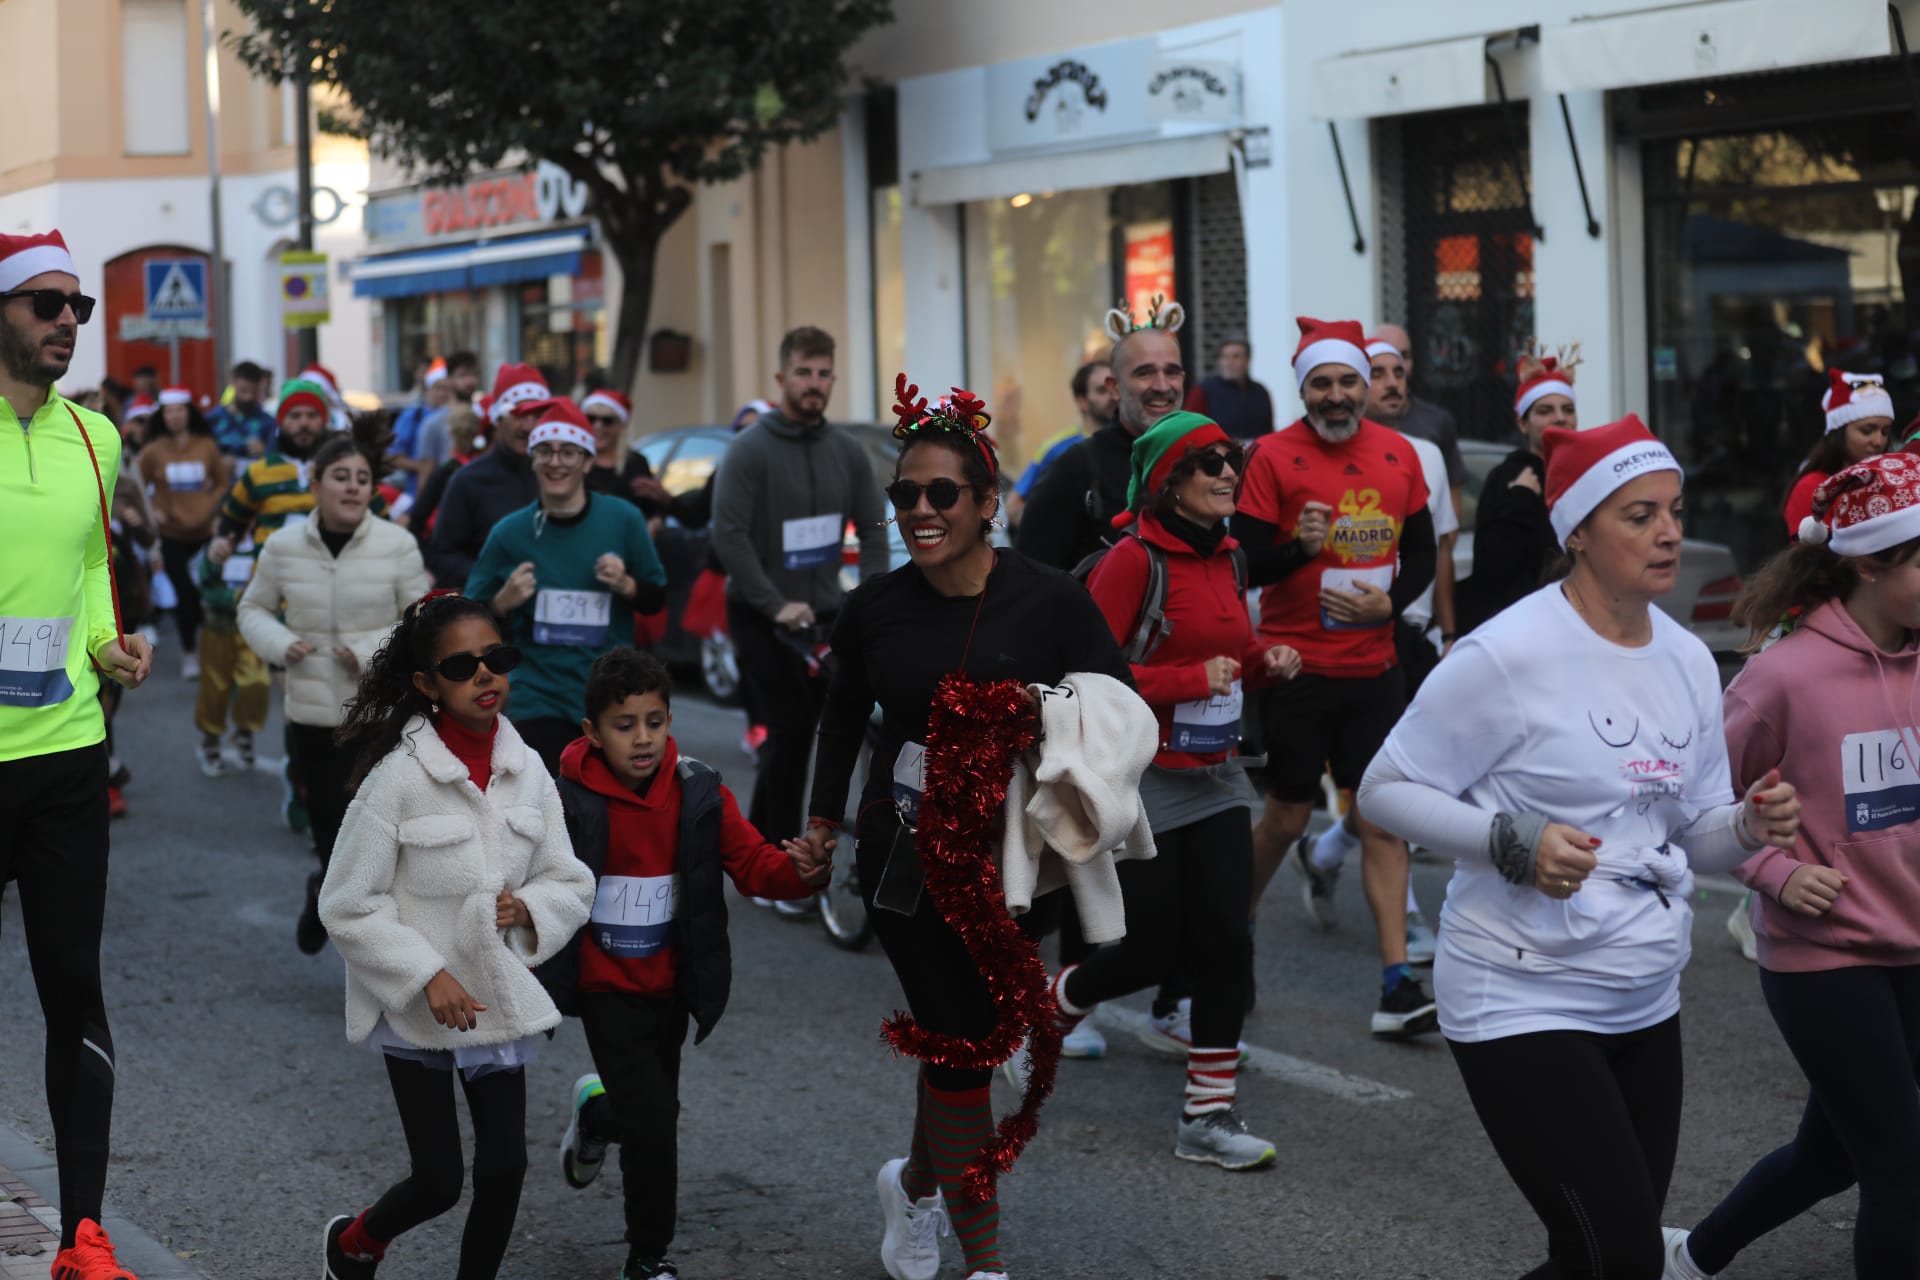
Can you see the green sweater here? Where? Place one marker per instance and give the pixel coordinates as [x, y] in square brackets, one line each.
[56, 601]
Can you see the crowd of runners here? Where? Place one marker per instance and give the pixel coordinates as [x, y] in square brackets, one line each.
[1112, 724]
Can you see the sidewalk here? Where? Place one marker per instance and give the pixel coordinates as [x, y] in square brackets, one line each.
[30, 1226]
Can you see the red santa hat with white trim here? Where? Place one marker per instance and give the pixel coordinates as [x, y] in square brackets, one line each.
[613, 402]
[1852, 396]
[140, 407]
[561, 422]
[436, 373]
[1869, 507]
[1538, 380]
[24, 257]
[516, 386]
[1378, 346]
[1330, 342]
[175, 395]
[1584, 468]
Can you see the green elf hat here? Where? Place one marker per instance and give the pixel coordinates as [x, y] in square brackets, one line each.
[302, 391]
[1159, 449]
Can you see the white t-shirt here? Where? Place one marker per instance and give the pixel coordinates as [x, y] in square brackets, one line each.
[1535, 713]
[1433, 467]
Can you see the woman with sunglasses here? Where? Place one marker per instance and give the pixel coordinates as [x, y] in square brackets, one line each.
[616, 467]
[324, 594]
[454, 877]
[1187, 908]
[565, 577]
[957, 606]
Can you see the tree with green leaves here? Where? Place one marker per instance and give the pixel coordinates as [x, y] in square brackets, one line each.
[640, 100]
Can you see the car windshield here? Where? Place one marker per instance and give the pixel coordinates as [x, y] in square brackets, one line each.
[1480, 457]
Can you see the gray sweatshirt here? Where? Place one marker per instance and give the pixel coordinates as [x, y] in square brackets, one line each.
[781, 503]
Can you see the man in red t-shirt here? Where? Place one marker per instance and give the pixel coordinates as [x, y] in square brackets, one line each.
[1336, 606]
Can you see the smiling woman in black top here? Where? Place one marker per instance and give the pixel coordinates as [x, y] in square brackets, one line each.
[959, 605]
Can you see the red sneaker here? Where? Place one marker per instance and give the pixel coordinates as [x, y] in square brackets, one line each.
[116, 803]
[90, 1258]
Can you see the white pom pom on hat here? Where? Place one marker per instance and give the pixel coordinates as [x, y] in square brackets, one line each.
[1814, 531]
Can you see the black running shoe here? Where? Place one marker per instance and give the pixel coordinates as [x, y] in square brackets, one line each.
[341, 1265]
[1405, 1011]
[650, 1269]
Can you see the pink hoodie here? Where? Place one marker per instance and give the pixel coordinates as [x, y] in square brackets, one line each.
[1837, 717]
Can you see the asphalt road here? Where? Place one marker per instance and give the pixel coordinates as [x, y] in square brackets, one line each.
[244, 1119]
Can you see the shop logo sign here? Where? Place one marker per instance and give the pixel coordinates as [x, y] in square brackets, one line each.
[1187, 88]
[1191, 91]
[545, 195]
[1067, 113]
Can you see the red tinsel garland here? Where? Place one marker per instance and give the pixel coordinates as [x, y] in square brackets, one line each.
[974, 734]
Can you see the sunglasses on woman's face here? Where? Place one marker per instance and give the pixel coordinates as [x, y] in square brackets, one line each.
[49, 303]
[602, 421]
[941, 494]
[1212, 462]
[462, 667]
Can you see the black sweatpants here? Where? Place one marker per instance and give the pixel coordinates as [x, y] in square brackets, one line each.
[636, 1042]
[1587, 1126]
[790, 699]
[53, 842]
[1187, 913]
[323, 769]
[944, 991]
[177, 555]
[497, 1103]
[1856, 1034]
[548, 736]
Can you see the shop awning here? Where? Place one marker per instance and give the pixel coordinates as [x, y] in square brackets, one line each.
[1665, 43]
[470, 266]
[1434, 76]
[1152, 161]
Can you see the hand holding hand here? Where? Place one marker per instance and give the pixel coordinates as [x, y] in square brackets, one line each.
[1811, 889]
[1283, 663]
[510, 913]
[1564, 860]
[296, 651]
[127, 661]
[1364, 605]
[1221, 673]
[814, 868]
[452, 1007]
[1771, 811]
[1311, 531]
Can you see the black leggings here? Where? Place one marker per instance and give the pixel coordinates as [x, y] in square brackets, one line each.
[497, 1103]
[636, 1043]
[1587, 1126]
[790, 699]
[1186, 911]
[177, 554]
[549, 736]
[1856, 1034]
[53, 840]
[322, 769]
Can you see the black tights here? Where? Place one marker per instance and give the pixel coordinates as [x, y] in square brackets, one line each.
[177, 554]
[498, 1104]
[1587, 1126]
[1186, 911]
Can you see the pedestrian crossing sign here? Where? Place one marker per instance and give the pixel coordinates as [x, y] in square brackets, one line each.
[176, 290]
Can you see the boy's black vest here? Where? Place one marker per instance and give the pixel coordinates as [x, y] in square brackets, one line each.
[699, 936]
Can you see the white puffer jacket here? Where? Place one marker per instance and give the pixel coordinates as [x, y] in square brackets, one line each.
[419, 864]
[353, 600]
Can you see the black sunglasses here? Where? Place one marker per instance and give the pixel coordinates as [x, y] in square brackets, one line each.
[1211, 462]
[461, 667]
[941, 494]
[49, 303]
[603, 420]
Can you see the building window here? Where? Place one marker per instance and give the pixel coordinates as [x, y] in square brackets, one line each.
[154, 71]
[563, 330]
[434, 324]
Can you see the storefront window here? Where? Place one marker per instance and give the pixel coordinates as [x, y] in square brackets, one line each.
[889, 297]
[1042, 270]
[563, 329]
[434, 324]
[1773, 256]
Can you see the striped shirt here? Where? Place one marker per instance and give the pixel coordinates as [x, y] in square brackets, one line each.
[272, 493]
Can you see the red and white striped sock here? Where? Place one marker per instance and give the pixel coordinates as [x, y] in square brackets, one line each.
[1210, 1079]
[1066, 1015]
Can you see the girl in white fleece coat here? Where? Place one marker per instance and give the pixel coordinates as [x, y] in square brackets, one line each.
[452, 877]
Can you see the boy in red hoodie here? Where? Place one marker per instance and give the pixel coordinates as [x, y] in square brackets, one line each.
[657, 829]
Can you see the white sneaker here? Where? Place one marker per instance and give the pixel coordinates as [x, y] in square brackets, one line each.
[1015, 1067]
[987, 1275]
[1679, 1264]
[211, 762]
[1421, 940]
[1084, 1041]
[190, 667]
[580, 1159]
[1740, 925]
[1173, 1033]
[910, 1250]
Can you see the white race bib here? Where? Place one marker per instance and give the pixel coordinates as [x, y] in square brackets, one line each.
[1881, 786]
[571, 617]
[33, 661]
[1208, 725]
[238, 569]
[633, 915]
[909, 781]
[812, 542]
[184, 477]
[1380, 576]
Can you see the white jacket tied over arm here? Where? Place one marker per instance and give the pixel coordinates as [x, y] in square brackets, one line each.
[419, 865]
[1073, 806]
[351, 600]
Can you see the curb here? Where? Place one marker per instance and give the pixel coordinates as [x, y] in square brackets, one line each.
[136, 1248]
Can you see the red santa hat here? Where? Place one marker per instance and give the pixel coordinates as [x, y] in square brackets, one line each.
[1539, 380]
[561, 422]
[1330, 342]
[514, 387]
[1584, 468]
[1870, 507]
[140, 407]
[1853, 396]
[613, 402]
[24, 257]
[317, 372]
[1380, 347]
[436, 373]
[175, 395]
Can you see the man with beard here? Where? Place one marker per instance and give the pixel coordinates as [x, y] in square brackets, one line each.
[275, 490]
[59, 632]
[1337, 610]
[1069, 514]
[493, 486]
[783, 496]
[241, 426]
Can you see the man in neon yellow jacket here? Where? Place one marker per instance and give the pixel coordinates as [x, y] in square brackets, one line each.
[59, 633]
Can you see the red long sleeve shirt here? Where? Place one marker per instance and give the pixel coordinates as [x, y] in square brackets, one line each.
[1208, 618]
[639, 886]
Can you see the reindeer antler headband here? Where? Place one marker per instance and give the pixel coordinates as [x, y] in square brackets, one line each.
[1162, 314]
[963, 414]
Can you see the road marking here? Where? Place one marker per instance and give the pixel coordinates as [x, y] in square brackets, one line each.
[1282, 1066]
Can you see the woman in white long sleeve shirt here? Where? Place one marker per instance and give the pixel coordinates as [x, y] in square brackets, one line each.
[1570, 757]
